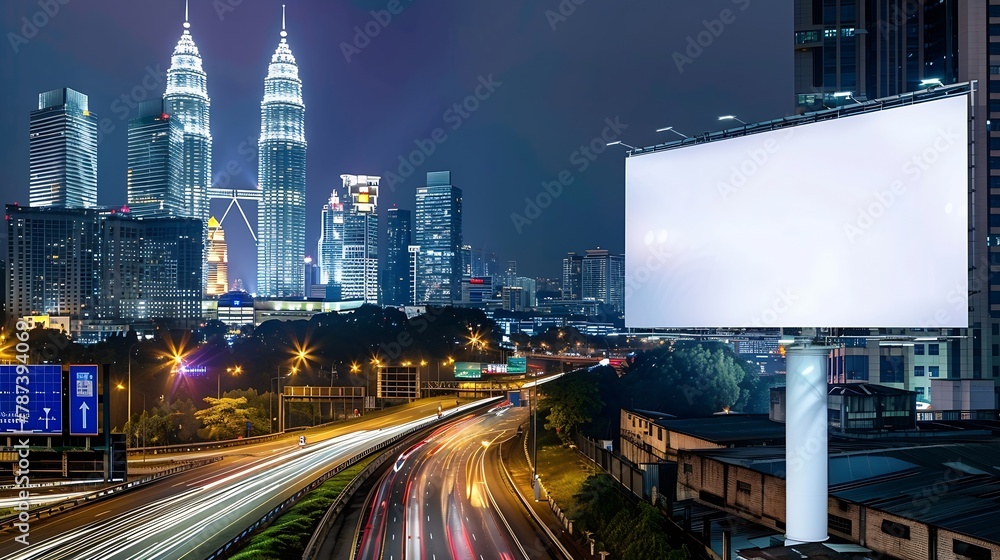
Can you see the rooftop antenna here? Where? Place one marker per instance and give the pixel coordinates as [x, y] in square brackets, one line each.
[187, 24]
[283, 32]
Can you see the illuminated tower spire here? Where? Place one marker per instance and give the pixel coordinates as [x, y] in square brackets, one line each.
[186, 99]
[281, 172]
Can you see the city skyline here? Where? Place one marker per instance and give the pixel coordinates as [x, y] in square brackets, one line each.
[371, 88]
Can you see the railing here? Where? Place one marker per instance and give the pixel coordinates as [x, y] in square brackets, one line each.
[203, 446]
[10, 520]
[315, 545]
[933, 415]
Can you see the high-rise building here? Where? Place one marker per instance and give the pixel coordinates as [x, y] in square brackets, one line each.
[875, 48]
[96, 265]
[62, 151]
[330, 249]
[603, 278]
[218, 259]
[396, 273]
[888, 47]
[572, 277]
[186, 99]
[466, 252]
[55, 261]
[438, 233]
[150, 268]
[155, 177]
[281, 172]
[360, 256]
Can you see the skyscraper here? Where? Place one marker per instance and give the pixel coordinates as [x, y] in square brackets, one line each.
[55, 266]
[155, 178]
[330, 249]
[186, 99]
[438, 233]
[603, 278]
[572, 276]
[887, 47]
[360, 256]
[874, 48]
[63, 151]
[218, 259]
[281, 172]
[396, 273]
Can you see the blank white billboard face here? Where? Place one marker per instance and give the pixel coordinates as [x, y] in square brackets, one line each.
[860, 221]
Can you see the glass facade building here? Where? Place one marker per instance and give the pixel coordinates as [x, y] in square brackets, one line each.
[438, 233]
[186, 99]
[155, 177]
[281, 172]
[62, 151]
[602, 278]
[572, 277]
[360, 247]
[396, 273]
[217, 255]
[880, 48]
[330, 249]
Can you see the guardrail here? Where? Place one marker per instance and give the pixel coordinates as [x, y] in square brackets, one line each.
[234, 544]
[315, 545]
[203, 446]
[67, 505]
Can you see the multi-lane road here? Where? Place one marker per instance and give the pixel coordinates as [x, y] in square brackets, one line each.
[192, 514]
[447, 497]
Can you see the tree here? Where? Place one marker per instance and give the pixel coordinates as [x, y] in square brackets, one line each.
[226, 418]
[573, 400]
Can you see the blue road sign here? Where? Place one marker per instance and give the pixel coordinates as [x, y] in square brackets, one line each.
[83, 400]
[31, 402]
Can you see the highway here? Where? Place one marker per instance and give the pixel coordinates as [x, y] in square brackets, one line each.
[190, 515]
[446, 498]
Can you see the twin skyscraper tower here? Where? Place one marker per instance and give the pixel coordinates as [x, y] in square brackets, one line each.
[170, 159]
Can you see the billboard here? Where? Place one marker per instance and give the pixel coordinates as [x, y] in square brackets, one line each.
[860, 221]
[468, 370]
[31, 401]
[517, 365]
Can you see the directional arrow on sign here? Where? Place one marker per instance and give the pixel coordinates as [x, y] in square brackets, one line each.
[83, 412]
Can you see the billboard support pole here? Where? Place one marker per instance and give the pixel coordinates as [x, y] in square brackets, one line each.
[806, 444]
[106, 382]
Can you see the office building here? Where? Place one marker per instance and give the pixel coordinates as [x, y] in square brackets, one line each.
[92, 266]
[360, 242]
[603, 278]
[281, 172]
[395, 273]
[54, 262]
[330, 250]
[218, 260]
[438, 234]
[878, 49]
[62, 151]
[155, 176]
[572, 277]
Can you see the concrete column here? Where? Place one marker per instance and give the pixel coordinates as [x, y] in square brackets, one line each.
[806, 453]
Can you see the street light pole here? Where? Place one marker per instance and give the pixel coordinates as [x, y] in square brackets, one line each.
[130, 383]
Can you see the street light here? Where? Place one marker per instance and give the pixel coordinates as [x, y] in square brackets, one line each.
[234, 370]
[620, 143]
[732, 118]
[281, 419]
[130, 379]
[671, 129]
[847, 95]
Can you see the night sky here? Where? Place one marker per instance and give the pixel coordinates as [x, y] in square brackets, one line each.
[604, 60]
